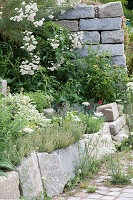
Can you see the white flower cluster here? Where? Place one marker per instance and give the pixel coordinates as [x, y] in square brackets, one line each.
[71, 116]
[130, 85]
[55, 66]
[28, 12]
[30, 43]
[23, 107]
[76, 39]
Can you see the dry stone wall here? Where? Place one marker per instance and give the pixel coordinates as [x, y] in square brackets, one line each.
[101, 25]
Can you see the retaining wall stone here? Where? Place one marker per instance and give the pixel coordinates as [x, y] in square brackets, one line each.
[110, 111]
[30, 177]
[112, 37]
[100, 24]
[112, 49]
[3, 84]
[123, 134]
[112, 9]
[71, 25]
[91, 37]
[79, 12]
[9, 186]
[119, 61]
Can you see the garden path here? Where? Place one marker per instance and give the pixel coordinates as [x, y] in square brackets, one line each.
[104, 191]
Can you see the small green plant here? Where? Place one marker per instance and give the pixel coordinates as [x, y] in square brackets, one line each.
[91, 189]
[5, 165]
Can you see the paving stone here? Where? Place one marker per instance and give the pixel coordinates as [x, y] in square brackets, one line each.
[91, 37]
[9, 186]
[127, 190]
[95, 196]
[119, 61]
[30, 177]
[112, 49]
[113, 193]
[127, 195]
[100, 24]
[71, 25]
[112, 37]
[101, 192]
[74, 198]
[122, 198]
[113, 9]
[115, 189]
[79, 12]
[107, 198]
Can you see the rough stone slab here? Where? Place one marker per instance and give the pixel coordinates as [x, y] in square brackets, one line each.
[112, 37]
[71, 25]
[112, 49]
[117, 125]
[9, 186]
[52, 172]
[119, 60]
[91, 37]
[113, 9]
[120, 109]
[123, 134]
[79, 12]
[100, 24]
[110, 111]
[30, 177]
[3, 84]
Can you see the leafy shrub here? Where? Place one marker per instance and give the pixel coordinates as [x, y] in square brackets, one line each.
[40, 99]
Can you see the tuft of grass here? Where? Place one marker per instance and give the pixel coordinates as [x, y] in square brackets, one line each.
[92, 189]
[120, 179]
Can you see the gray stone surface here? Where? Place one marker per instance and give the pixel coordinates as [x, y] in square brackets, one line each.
[119, 60]
[110, 111]
[112, 9]
[30, 177]
[3, 84]
[112, 37]
[123, 134]
[100, 24]
[91, 37]
[9, 186]
[79, 12]
[120, 109]
[117, 125]
[112, 49]
[72, 25]
[52, 173]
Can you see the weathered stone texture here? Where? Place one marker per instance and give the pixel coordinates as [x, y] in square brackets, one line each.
[120, 109]
[117, 125]
[71, 25]
[79, 12]
[112, 49]
[91, 37]
[112, 9]
[3, 84]
[52, 173]
[110, 111]
[123, 134]
[9, 186]
[119, 61]
[100, 24]
[30, 177]
[112, 37]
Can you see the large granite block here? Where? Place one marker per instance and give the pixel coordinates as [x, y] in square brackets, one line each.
[9, 186]
[79, 12]
[100, 24]
[112, 37]
[122, 135]
[30, 177]
[112, 9]
[52, 173]
[112, 49]
[110, 111]
[91, 37]
[71, 25]
[119, 61]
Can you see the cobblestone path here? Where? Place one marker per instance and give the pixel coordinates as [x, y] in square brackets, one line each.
[103, 192]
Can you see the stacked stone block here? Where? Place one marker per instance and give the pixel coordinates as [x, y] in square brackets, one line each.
[3, 87]
[101, 25]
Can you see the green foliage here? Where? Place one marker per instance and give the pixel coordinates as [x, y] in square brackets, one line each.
[5, 165]
[91, 189]
[93, 123]
[40, 99]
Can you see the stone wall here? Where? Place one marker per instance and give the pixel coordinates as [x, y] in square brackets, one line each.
[3, 87]
[101, 24]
